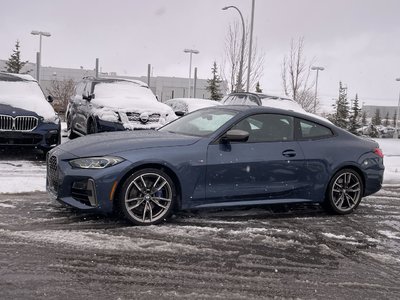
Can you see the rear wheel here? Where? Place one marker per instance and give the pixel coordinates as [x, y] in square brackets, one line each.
[147, 197]
[344, 192]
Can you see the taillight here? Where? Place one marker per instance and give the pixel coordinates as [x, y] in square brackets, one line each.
[378, 152]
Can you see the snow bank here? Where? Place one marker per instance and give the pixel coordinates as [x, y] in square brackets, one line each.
[391, 150]
[22, 176]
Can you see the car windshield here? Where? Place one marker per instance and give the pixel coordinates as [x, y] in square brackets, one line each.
[15, 89]
[241, 99]
[200, 123]
[123, 95]
[122, 89]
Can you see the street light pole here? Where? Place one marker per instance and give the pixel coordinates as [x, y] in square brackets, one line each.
[240, 76]
[396, 132]
[250, 46]
[191, 51]
[40, 34]
[316, 86]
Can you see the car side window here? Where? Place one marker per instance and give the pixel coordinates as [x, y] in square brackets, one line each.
[267, 128]
[88, 89]
[229, 100]
[311, 130]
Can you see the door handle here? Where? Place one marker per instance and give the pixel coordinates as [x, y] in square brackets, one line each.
[289, 153]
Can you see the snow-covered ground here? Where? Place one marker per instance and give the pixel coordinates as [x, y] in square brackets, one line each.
[20, 176]
[391, 150]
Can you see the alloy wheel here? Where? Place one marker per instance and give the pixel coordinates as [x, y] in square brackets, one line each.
[148, 197]
[345, 191]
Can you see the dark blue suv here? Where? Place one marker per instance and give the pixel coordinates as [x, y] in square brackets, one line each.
[26, 118]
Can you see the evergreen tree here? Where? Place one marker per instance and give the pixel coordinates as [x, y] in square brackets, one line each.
[386, 122]
[376, 120]
[355, 116]
[341, 115]
[258, 88]
[364, 118]
[14, 63]
[214, 84]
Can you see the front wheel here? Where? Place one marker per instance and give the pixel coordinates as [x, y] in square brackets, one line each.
[344, 192]
[147, 197]
[70, 133]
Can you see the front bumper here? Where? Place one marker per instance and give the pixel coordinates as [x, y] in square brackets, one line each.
[103, 126]
[45, 136]
[85, 189]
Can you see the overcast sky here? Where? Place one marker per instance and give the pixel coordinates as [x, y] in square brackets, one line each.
[357, 41]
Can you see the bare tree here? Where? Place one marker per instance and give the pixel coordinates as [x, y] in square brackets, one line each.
[296, 76]
[231, 60]
[62, 91]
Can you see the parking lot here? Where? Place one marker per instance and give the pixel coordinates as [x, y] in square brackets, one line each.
[48, 251]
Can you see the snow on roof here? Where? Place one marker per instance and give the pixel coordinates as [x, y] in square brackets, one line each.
[288, 104]
[282, 104]
[138, 82]
[4, 76]
[194, 103]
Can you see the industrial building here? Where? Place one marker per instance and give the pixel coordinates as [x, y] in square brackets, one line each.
[163, 87]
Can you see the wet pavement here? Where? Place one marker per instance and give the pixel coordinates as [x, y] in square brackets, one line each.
[48, 251]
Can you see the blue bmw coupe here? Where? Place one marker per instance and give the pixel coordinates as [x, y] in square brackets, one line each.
[216, 157]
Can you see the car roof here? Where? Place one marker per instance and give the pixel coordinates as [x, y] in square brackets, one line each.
[262, 95]
[265, 109]
[5, 76]
[114, 79]
[189, 99]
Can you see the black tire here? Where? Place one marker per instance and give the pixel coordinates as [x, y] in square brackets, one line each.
[147, 197]
[92, 127]
[344, 192]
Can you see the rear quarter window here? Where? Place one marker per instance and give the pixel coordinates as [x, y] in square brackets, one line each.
[310, 130]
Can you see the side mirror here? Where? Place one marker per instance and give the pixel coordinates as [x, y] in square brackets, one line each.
[235, 135]
[50, 99]
[179, 113]
[88, 97]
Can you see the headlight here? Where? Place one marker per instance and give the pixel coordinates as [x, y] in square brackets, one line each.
[95, 162]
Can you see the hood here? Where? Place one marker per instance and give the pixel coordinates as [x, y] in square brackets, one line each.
[28, 96]
[120, 141]
[131, 104]
[6, 109]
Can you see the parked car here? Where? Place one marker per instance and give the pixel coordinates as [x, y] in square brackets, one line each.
[114, 104]
[216, 157]
[267, 100]
[260, 99]
[183, 106]
[26, 118]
